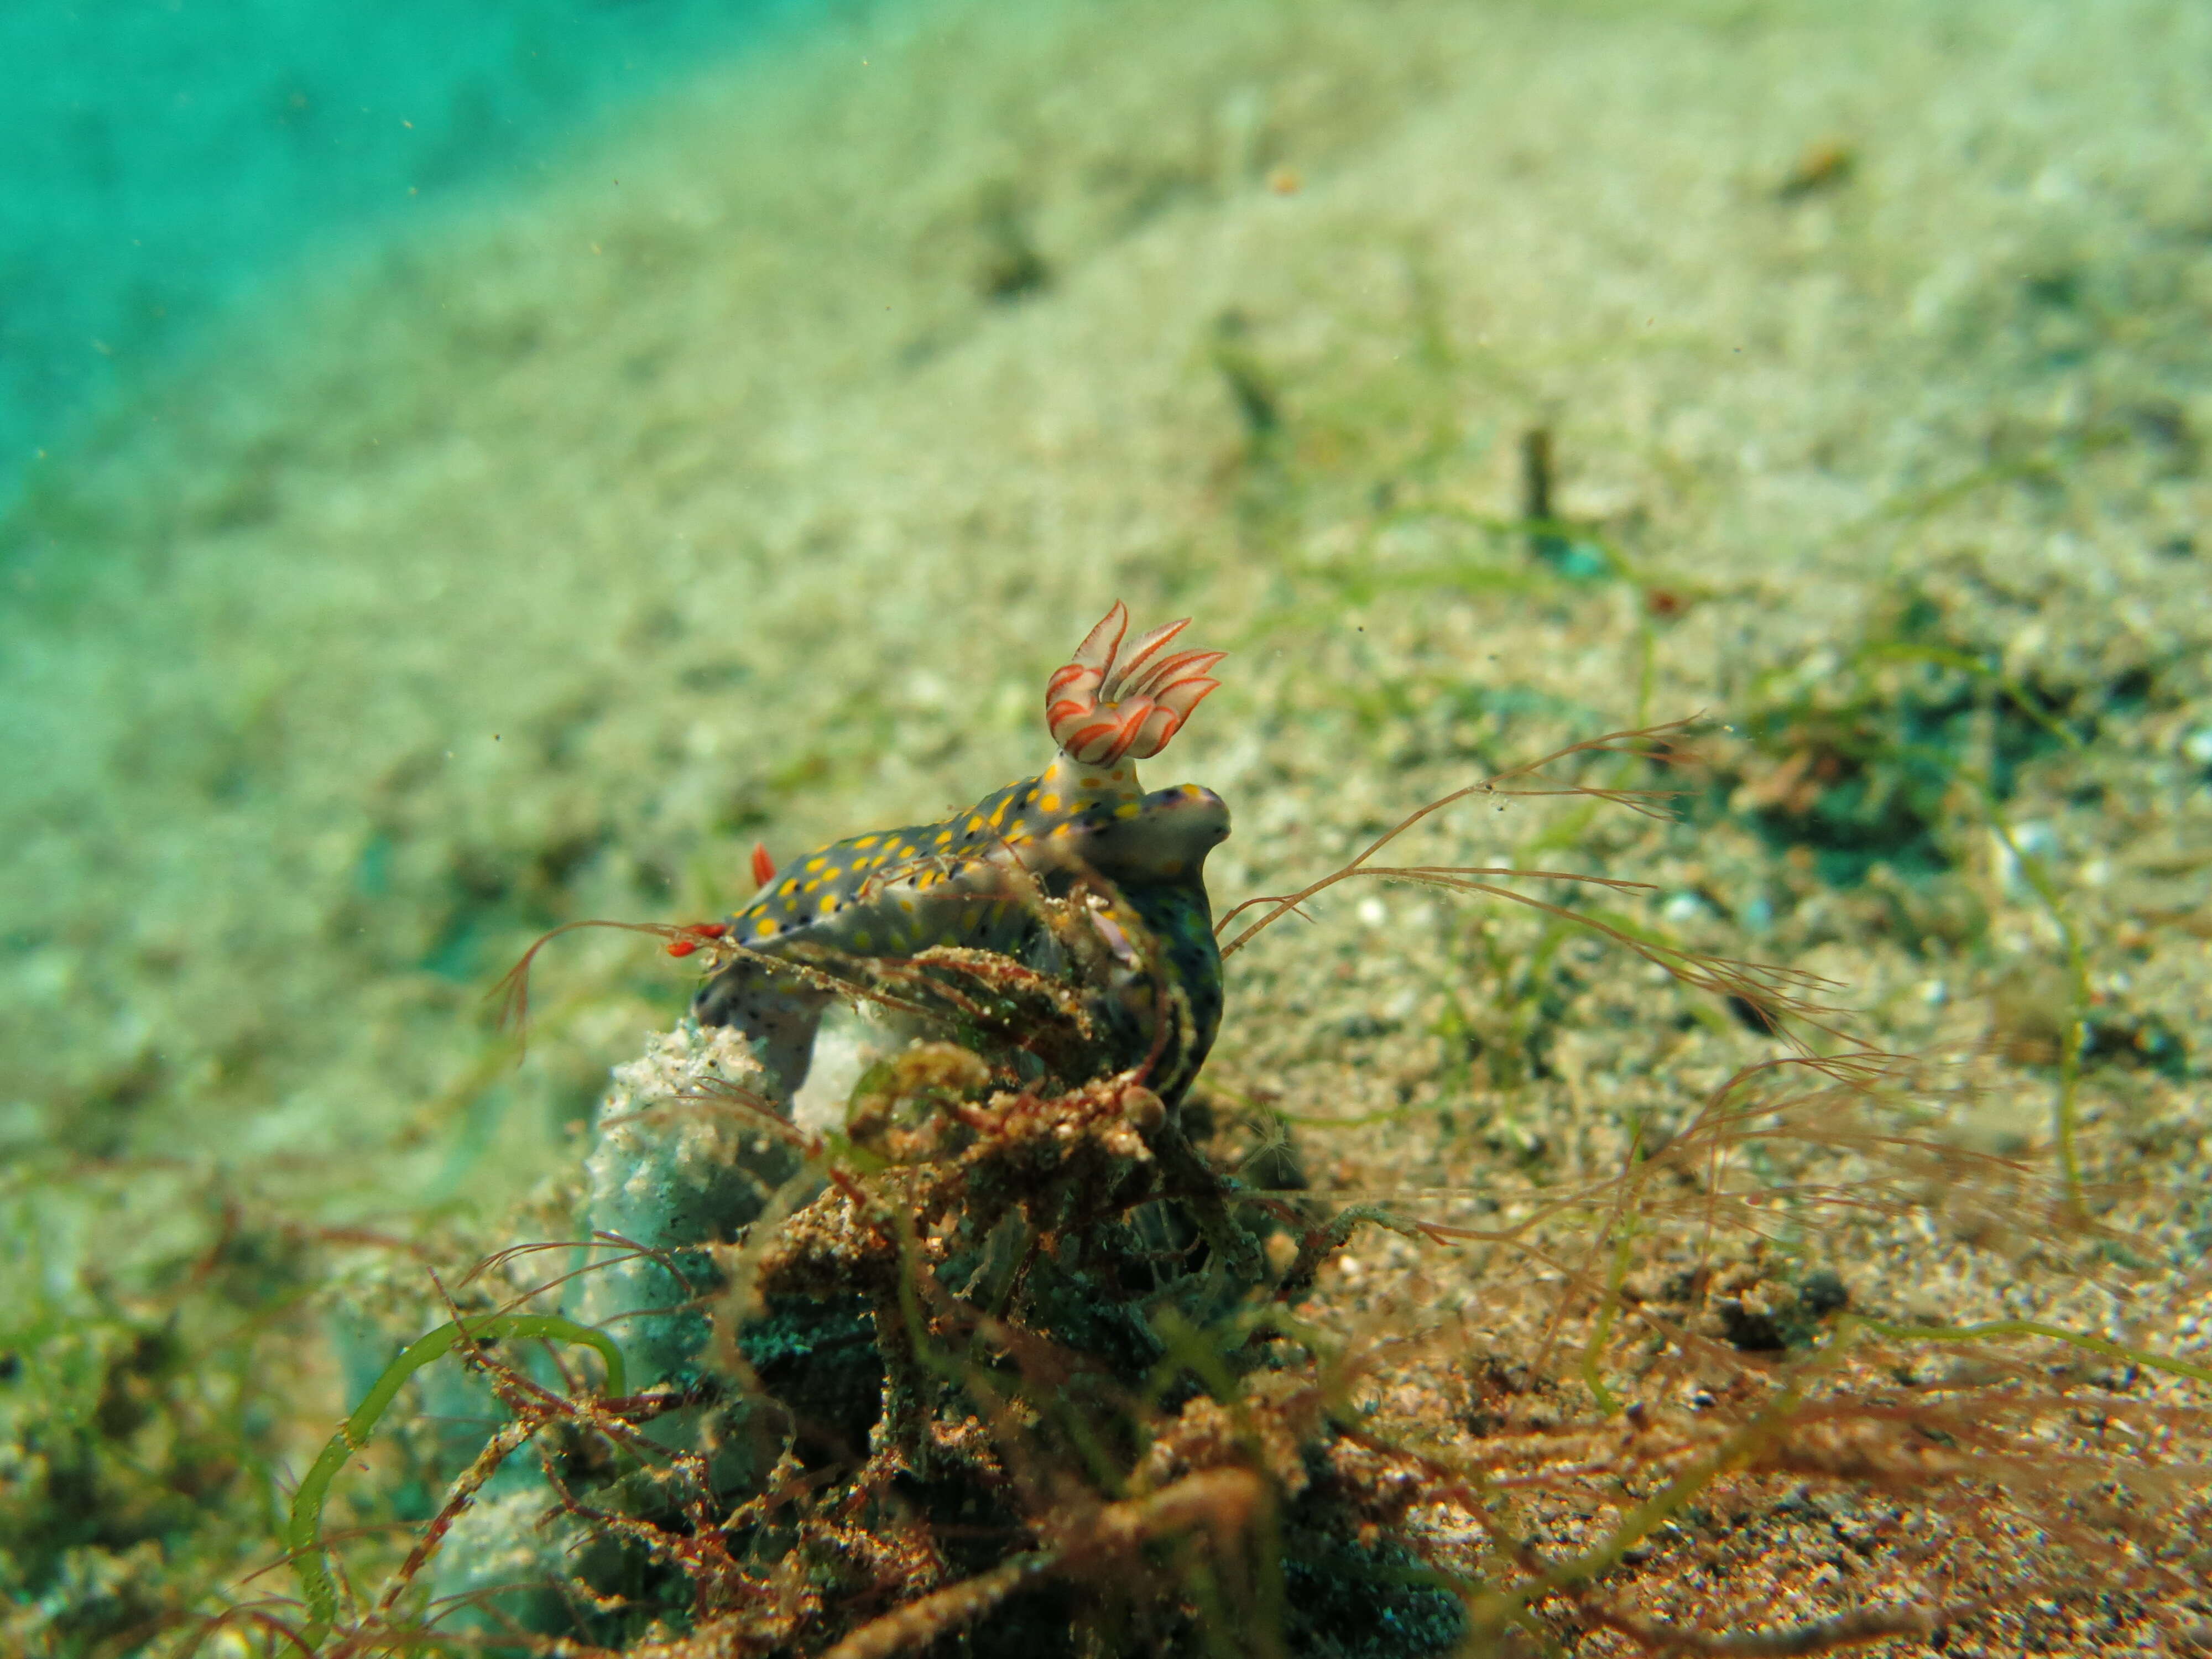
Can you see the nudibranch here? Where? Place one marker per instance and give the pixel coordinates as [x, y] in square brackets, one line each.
[970, 881]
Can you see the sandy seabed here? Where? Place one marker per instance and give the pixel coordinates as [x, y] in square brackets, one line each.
[747, 482]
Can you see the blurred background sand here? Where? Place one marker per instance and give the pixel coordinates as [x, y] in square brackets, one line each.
[736, 462]
[743, 471]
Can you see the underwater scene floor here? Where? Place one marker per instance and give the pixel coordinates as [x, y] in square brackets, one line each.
[1486, 380]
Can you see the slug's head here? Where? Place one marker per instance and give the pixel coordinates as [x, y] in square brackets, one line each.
[1112, 707]
[1148, 840]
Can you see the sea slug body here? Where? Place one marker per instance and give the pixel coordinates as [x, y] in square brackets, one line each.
[969, 881]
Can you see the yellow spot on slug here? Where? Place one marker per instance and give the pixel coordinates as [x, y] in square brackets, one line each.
[764, 929]
[816, 863]
[1049, 803]
[830, 904]
[864, 940]
[1128, 809]
[832, 873]
[864, 840]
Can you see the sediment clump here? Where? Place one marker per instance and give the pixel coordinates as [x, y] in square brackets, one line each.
[1004, 1350]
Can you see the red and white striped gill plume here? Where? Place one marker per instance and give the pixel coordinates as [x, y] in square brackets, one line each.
[1111, 705]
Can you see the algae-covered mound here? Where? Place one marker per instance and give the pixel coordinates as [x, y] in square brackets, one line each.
[1006, 1354]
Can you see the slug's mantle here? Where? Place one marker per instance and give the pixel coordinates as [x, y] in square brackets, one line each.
[973, 881]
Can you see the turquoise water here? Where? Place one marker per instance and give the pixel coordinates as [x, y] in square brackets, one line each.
[163, 157]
